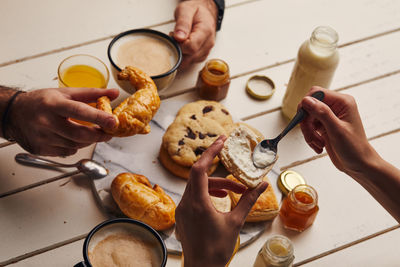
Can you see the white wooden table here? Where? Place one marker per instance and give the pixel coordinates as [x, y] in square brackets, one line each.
[45, 219]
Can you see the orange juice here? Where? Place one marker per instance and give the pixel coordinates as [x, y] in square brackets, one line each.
[82, 76]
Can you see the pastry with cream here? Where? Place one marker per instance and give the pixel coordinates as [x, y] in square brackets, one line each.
[236, 155]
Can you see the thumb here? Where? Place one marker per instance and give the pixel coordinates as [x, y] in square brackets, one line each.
[322, 112]
[184, 15]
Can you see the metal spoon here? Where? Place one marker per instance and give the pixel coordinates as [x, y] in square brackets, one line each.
[264, 154]
[89, 167]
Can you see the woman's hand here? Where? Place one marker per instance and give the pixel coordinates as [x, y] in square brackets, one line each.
[40, 120]
[208, 236]
[336, 125]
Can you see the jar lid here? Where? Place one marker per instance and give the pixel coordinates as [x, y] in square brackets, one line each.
[260, 87]
[288, 180]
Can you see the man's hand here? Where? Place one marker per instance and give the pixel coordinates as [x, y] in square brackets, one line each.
[195, 29]
[40, 120]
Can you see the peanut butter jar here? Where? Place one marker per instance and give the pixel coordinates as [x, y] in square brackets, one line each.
[213, 81]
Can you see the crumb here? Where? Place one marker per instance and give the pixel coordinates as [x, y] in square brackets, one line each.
[13, 173]
[55, 78]
[154, 162]
[65, 222]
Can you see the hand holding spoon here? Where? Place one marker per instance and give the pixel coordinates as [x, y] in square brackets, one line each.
[89, 167]
[264, 153]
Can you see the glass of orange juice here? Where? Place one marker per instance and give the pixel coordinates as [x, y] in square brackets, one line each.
[83, 71]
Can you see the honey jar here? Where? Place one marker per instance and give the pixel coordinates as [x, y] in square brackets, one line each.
[213, 81]
[299, 208]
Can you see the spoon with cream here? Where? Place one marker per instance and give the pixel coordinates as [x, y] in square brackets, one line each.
[264, 154]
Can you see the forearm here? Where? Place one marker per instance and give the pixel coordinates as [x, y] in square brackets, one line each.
[382, 181]
[6, 94]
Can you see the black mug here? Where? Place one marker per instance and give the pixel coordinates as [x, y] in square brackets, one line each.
[99, 233]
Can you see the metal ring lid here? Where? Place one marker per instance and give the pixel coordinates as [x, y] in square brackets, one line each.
[260, 87]
[288, 180]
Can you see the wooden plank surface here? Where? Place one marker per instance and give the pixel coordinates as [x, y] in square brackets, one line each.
[258, 36]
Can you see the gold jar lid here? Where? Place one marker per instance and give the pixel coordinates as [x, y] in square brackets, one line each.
[288, 180]
[260, 87]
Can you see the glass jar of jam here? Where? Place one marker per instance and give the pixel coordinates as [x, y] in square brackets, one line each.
[299, 208]
[276, 252]
[213, 81]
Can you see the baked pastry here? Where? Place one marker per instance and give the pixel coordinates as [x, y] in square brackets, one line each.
[209, 109]
[266, 206]
[236, 155]
[138, 200]
[175, 168]
[187, 138]
[196, 126]
[222, 204]
[134, 113]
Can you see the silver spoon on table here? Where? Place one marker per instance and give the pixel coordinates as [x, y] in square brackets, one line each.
[264, 154]
[89, 167]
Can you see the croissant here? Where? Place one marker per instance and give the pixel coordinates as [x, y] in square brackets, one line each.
[134, 114]
[138, 200]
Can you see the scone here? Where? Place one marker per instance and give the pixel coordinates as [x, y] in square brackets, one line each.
[266, 206]
[222, 204]
[138, 200]
[236, 155]
[209, 109]
[187, 138]
[175, 168]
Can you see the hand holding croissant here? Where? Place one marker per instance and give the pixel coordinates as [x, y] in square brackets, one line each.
[134, 114]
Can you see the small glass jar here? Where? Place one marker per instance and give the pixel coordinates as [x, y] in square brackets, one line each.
[299, 209]
[213, 81]
[276, 252]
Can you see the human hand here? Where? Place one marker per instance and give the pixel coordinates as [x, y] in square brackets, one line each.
[336, 125]
[39, 120]
[208, 237]
[195, 29]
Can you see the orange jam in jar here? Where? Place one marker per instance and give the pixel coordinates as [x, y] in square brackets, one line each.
[213, 81]
[299, 208]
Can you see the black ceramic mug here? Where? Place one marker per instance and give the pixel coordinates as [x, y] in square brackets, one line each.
[125, 226]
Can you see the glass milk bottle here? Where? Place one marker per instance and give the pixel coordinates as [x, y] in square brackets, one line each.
[316, 63]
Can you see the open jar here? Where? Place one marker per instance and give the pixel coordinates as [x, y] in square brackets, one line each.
[276, 252]
[213, 81]
[299, 209]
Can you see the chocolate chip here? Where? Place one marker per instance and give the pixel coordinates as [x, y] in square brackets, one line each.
[199, 150]
[225, 111]
[190, 134]
[207, 109]
[211, 135]
[201, 136]
[181, 143]
[193, 117]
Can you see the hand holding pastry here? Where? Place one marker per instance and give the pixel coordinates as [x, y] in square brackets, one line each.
[39, 120]
[134, 114]
[208, 237]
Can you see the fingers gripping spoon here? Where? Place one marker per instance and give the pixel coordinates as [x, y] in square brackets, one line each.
[265, 152]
